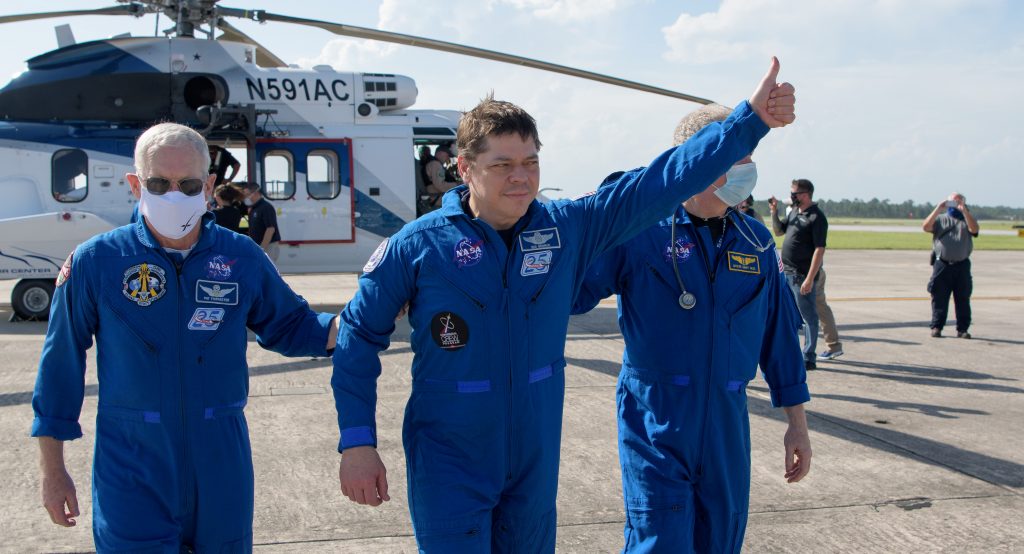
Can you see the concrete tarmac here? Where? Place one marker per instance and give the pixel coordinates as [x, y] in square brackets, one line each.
[917, 441]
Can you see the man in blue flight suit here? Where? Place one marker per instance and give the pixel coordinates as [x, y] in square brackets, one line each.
[168, 300]
[490, 279]
[702, 302]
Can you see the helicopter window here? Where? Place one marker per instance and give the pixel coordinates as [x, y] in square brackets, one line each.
[391, 86]
[368, 86]
[322, 181]
[69, 170]
[278, 175]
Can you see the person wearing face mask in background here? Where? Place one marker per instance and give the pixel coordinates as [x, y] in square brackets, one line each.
[953, 229]
[263, 228]
[803, 253]
[747, 208]
[168, 301]
[702, 301]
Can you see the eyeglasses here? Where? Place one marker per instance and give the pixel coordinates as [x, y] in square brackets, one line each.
[189, 187]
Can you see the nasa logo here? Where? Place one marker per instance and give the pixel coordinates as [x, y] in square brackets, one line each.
[469, 252]
[144, 283]
[206, 319]
[218, 267]
[683, 250]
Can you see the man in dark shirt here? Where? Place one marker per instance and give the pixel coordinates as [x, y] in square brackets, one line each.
[803, 252]
[220, 161]
[953, 229]
[262, 220]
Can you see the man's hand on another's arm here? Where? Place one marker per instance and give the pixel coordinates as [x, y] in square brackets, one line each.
[363, 476]
[773, 102]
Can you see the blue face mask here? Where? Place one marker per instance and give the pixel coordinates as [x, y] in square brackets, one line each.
[739, 183]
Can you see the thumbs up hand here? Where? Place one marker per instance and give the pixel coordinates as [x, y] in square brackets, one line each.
[774, 102]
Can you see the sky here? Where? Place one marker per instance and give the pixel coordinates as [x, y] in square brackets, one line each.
[896, 99]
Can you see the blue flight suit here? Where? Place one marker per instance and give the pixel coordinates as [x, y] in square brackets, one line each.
[483, 422]
[172, 463]
[684, 435]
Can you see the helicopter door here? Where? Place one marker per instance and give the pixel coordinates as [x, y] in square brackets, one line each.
[309, 182]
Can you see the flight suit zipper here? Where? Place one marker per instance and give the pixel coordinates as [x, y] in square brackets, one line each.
[186, 473]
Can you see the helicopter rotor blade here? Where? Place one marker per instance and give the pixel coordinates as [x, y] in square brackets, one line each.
[421, 42]
[264, 57]
[128, 9]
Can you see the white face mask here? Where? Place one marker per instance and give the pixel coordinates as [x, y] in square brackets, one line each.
[172, 214]
[739, 183]
[248, 201]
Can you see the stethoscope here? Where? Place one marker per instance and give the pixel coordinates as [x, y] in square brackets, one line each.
[687, 300]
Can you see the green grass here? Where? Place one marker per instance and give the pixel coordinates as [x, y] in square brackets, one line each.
[985, 223]
[870, 240]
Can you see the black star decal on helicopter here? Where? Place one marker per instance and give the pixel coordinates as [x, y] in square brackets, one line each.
[196, 57]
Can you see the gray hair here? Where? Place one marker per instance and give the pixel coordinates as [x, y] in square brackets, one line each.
[171, 135]
[696, 120]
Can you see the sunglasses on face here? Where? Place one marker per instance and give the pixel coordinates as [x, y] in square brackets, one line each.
[159, 185]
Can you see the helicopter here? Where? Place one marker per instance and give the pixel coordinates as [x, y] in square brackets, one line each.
[332, 150]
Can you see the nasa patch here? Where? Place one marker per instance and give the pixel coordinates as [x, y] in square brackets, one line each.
[376, 257]
[469, 252]
[144, 283]
[535, 263]
[206, 319]
[218, 267]
[65, 270]
[212, 292]
[683, 250]
[449, 331]
[540, 239]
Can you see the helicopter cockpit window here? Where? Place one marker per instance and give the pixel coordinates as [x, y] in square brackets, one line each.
[322, 177]
[69, 171]
[278, 175]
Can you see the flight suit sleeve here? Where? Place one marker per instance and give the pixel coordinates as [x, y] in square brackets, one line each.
[60, 383]
[366, 324]
[602, 280]
[637, 199]
[782, 360]
[282, 320]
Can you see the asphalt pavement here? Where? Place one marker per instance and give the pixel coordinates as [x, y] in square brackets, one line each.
[917, 441]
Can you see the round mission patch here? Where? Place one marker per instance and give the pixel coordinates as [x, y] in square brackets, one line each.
[450, 331]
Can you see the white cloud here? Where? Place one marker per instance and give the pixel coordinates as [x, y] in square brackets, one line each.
[569, 10]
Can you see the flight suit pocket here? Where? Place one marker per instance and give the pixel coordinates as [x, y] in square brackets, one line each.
[133, 380]
[746, 335]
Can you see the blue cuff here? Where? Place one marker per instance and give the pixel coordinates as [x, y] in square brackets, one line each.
[790, 396]
[60, 429]
[357, 436]
[324, 320]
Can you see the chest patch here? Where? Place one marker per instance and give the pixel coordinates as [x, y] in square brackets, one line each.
[144, 283]
[536, 263]
[468, 252]
[213, 292]
[219, 267]
[449, 331]
[744, 263]
[206, 319]
[540, 239]
[683, 251]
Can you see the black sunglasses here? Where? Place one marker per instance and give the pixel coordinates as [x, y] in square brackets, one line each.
[188, 187]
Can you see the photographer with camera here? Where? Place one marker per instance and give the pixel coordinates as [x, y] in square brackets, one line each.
[953, 229]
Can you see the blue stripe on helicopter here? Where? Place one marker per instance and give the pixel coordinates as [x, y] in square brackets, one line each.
[80, 60]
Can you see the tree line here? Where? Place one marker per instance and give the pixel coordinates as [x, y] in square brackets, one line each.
[884, 209]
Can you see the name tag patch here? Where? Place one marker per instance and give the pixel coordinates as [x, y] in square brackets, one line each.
[213, 292]
[536, 263]
[206, 319]
[540, 239]
[744, 263]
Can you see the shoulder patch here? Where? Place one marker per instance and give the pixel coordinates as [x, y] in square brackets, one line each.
[376, 257]
[65, 270]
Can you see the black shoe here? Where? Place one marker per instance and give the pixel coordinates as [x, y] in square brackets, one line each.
[936, 332]
[810, 366]
[963, 335]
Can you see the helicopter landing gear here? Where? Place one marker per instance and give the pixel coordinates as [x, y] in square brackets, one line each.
[31, 299]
